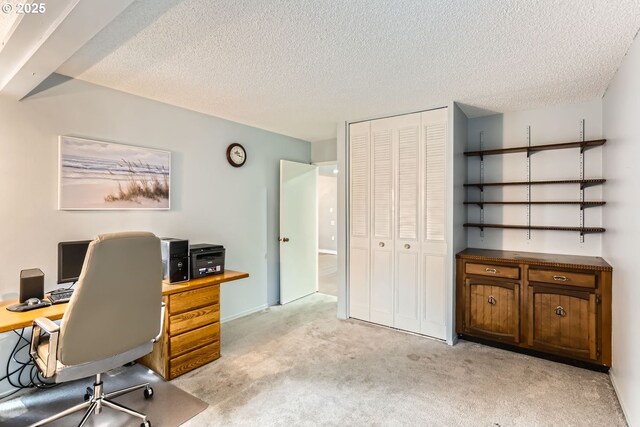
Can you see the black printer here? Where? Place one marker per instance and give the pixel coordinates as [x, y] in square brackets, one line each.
[206, 259]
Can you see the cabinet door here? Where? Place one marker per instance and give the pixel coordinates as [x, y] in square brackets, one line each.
[492, 308]
[382, 220]
[433, 143]
[407, 227]
[563, 321]
[359, 259]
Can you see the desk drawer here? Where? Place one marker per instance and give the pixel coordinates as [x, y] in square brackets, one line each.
[188, 341]
[584, 280]
[194, 359]
[493, 270]
[188, 300]
[193, 319]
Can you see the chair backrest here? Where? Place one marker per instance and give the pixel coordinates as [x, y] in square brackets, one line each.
[116, 303]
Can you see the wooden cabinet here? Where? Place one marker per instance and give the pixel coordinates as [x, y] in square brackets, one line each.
[557, 305]
[191, 336]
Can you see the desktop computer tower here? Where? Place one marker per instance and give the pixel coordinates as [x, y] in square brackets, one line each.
[175, 259]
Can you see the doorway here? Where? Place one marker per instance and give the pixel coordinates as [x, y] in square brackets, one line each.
[328, 228]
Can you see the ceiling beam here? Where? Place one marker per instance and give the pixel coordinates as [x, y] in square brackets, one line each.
[38, 44]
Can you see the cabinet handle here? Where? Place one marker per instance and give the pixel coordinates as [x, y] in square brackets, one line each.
[560, 311]
[491, 300]
[407, 246]
[560, 279]
[491, 270]
[381, 244]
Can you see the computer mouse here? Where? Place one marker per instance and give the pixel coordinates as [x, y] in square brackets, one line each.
[32, 301]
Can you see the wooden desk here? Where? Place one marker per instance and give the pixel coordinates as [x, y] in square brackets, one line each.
[191, 335]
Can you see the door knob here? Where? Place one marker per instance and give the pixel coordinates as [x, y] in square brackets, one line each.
[407, 246]
[381, 244]
[284, 239]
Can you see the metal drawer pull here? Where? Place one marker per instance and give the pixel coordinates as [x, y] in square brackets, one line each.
[491, 270]
[407, 246]
[561, 311]
[560, 278]
[381, 244]
[491, 300]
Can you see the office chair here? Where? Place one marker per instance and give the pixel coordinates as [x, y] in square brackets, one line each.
[114, 316]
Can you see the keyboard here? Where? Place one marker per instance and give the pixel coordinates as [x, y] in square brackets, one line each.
[60, 296]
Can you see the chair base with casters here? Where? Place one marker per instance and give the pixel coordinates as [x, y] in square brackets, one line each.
[95, 400]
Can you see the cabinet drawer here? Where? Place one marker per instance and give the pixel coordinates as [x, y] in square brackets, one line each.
[193, 319]
[195, 359]
[188, 341]
[189, 300]
[584, 280]
[493, 270]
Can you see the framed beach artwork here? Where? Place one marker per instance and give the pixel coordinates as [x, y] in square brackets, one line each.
[97, 175]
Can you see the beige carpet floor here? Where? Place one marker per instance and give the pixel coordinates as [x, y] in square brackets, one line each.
[328, 274]
[298, 365]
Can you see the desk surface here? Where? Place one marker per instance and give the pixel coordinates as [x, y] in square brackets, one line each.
[10, 320]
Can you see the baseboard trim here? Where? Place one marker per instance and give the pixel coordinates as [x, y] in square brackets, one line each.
[327, 251]
[244, 313]
[615, 389]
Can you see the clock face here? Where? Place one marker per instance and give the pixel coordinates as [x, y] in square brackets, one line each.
[236, 155]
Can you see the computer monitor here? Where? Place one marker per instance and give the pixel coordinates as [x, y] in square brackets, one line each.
[70, 260]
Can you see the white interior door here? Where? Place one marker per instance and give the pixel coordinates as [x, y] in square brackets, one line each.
[298, 230]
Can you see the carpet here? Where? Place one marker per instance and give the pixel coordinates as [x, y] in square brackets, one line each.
[169, 407]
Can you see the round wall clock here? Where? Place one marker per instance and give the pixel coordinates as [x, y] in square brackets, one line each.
[236, 155]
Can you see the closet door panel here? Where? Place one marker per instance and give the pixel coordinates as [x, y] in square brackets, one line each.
[407, 241]
[382, 220]
[359, 204]
[434, 130]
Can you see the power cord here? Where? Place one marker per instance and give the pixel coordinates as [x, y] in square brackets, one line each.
[25, 368]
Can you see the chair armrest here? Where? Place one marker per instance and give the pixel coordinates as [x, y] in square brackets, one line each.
[47, 325]
[42, 324]
[163, 308]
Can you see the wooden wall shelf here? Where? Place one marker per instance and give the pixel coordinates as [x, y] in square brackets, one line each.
[583, 145]
[583, 205]
[581, 230]
[584, 183]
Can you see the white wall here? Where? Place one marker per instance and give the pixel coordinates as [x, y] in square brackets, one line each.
[327, 213]
[212, 202]
[324, 151]
[621, 106]
[548, 125]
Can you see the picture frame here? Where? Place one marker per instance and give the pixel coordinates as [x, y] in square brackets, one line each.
[101, 175]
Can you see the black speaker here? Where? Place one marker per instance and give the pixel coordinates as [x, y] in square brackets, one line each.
[31, 284]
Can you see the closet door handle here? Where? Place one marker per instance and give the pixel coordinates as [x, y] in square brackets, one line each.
[560, 311]
[491, 300]
[381, 244]
[407, 246]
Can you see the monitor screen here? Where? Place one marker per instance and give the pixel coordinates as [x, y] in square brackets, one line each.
[70, 260]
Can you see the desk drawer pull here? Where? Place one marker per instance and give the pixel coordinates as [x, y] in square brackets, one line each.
[491, 270]
[560, 279]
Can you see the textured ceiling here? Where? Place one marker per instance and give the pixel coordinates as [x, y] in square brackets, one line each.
[298, 67]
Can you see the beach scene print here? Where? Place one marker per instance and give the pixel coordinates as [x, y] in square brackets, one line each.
[104, 175]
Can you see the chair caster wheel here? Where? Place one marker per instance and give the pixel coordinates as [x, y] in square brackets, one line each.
[146, 424]
[148, 394]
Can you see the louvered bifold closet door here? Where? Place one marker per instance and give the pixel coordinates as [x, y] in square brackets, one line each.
[434, 142]
[359, 208]
[383, 137]
[408, 224]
